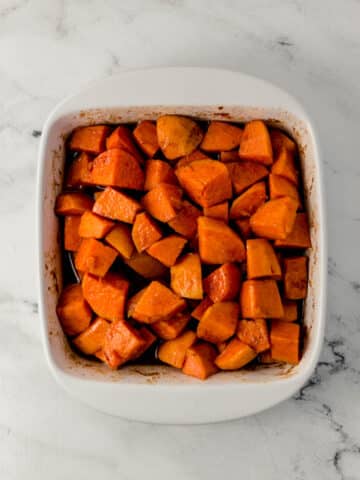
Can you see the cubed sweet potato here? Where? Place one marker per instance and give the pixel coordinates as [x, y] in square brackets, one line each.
[284, 166]
[260, 299]
[171, 328]
[107, 295]
[145, 265]
[299, 237]
[245, 174]
[89, 139]
[201, 308]
[117, 206]
[94, 257]
[163, 201]
[207, 182]
[249, 201]
[219, 322]
[117, 168]
[221, 136]
[285, 341]
[254, 333]
[186, 279]
[168, 249]
[282, 187]
[173, 351]
[274, 219]
[73, 311]
[195, 155]
[295, 278]
[243, 225]
[236, 355]
[232, 156]
[94, 226]
[290, 311]
[146, 137]
[219, 211]
[261, 259]
[123, 138]
[73, 203]
[120, 239]
[223, 284]
[145, 232]
[199, 361]
[218, 243]
[72, 239]
[157, 302]
[79, 172]
[158, 171]
[256, 144]
[279, 140]
[177, 135]
[185, 221]
[92, 339]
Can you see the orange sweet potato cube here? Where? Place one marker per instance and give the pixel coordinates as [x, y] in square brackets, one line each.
[254, 333]
[117, 206]
[168, 249]
[299, 237]
[261, 259]
[256, 144]
[146, 137]
[92, 339]
[232, 156]
[282, 187]
[295, 278]
[123, 138]
[249, 201]
[79, 172]
[274, 219]
[106, 295]
[219, 322]
[177, 135]
[218, 243]
[185, 221]
[163, 201]
[158, 171]
[94, 226]
[223, 284]
[260, 299]
[89, 139]
[145, 265]
[201, 308]
[171, 328]
[284, 166]
[73, 311]
[125, 341]
[120, 239]
[236, 355]
[94, 257]
[279, 140]
[245, 174]
[195, 155]
[186, 279]
[290, 311]
[221, 136]
[145, 232]
[243, 225]
[173, 351]
[199, 361]
[73, 203]
[285, 341]
[72, 239]
[219, 211]
[207, 182]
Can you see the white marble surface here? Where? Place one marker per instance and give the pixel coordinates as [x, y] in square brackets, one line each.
[49, 48]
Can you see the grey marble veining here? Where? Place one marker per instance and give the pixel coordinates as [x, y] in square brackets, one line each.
[49, 49]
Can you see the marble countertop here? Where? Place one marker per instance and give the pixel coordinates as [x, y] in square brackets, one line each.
[47, 50]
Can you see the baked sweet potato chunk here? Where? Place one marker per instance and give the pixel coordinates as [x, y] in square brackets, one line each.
[261, 259]
[245, 174]
[145, 232]
[146, 137]
[223, 284]
[120, 239]
[219, 211]
[232, 156]
[122, 138]
[248, 202]
[117, 206]
[168, 249]
[236, 355]
[201, 308]
[219, 322]
[92, 339]
[299, 237]
[254, 333]
[284, 166]
[243, 225]
[173, 351]
[158, 171]
[72, 239]
[195, 155]
[199, 361]
[274, 219]
[79, 172]
[290, 311]
[89, 139]
[185, 221]
[163, 202]
[282, 187]
[171, 328]
[295, 278]
[221, 136]
[285, 341]
[186, 278]
[145, 265]
[94, 226]
[73, 311]
[260, 299]
[177, 135]
[279, 140]
[94, 257]
[256, 143]
[73, 203]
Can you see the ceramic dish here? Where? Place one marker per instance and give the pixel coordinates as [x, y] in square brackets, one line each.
[160, 393]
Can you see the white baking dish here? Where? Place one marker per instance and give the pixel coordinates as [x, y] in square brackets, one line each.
[159, 393]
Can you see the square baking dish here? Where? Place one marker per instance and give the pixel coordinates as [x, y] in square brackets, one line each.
[157, 393]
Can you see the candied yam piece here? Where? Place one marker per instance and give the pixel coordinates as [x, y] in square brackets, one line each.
[219, 211]
[236, 355]
[279, 140]
[120, 239]
[72, 239]
[285, 341]
[145, 265]
[254, 333]
[158, 171]
[221, 136]
[185, 221]
[171, 328]
[232, 156]
[201, 308]
[249, 201]
[94, 226]
[219, 322]
[260, 299]
[256, 144]
[117, 206]
[284, 166]
[295, 278]
[94, 257]
[167, 250]
[177, 135]
[89, 139]
[218, 244]
[274, 219]
[207, 182]
[245, 174]
[299, 237]
[107, 295]
[290, 311]
[145, 232]
[132, 302]
[186, 278]
[79, 172]
[261, 259]
[100, 355]
[199, 361]
[282, 187]
[146, 137]
[221, 346]
[163, 201]
[243, 224]
[157, 302]
[92, 339]
[73, 311]
[123, 138]
[73, 203]
[195, 155]
[173, 351]
[223, 284]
